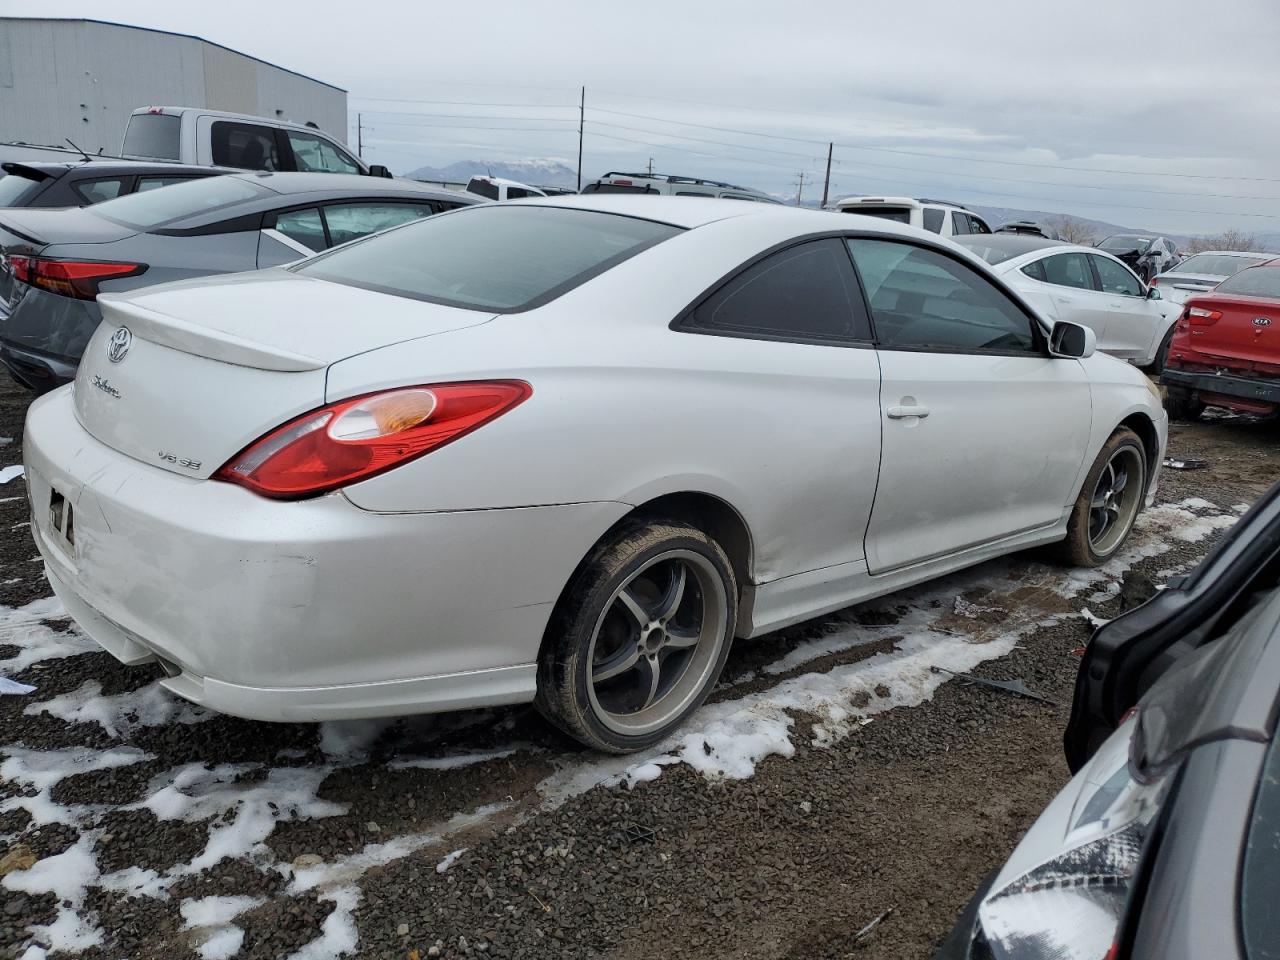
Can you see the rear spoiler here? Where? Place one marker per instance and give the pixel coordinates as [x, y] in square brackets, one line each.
[9, 228]
[22, 170]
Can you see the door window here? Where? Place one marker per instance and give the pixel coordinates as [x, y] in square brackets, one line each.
[923, 300]
[1115, 277]
[95, 191]
[246, 146]
[976, 225]
[314, 154]
[304, 227]
[1069, 270]
[933, 218]
[804, 293]
[350, 221]
[959, 223]
[1035, 270]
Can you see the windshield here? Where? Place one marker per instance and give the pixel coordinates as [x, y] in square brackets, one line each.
[1125, 244]
[153, 135]
[155, 208]
[490, 257]
[1216, 265]
[1254, 282]
[15, 190]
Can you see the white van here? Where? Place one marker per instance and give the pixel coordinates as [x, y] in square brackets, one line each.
[936, 216]
[205, 138]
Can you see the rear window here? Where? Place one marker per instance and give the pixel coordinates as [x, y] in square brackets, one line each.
[497, 258]
[483, 188]
[153, 135]
[896, 214]
[1254, 282]
[993, 255]
[616, 188]
[16, 190]
[155, 208]
[1216, 265]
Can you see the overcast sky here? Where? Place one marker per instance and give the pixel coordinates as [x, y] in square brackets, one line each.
[1160, 114]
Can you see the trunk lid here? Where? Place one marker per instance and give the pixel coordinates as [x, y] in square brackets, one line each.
[202, 368]
[1247, 333]
[28, 231]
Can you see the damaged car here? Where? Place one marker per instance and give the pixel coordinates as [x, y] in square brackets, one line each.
[1166, 844]
[391, 480]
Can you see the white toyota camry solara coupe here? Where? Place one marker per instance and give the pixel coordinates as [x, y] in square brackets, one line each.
[564, 451]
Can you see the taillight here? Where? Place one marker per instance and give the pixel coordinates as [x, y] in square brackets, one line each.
[71, 278]
[359, 438]
[1200, 317]
[1070, 896]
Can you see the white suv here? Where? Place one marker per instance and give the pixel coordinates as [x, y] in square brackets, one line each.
[615, 182]
[936, 216]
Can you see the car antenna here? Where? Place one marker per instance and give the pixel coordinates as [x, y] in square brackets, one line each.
[87, 158]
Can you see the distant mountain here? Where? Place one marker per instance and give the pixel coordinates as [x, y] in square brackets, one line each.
[537, 173]
[996, 216]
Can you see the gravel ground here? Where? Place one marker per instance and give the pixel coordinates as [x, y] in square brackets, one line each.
[337, 835]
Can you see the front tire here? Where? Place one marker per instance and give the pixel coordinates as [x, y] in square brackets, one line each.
[639, 637]
[1162, 354]
[1109, 502]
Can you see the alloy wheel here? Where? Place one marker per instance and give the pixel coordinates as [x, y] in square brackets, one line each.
[1115, 500]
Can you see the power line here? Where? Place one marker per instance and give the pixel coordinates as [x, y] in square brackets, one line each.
[462, 116]
[465, 103]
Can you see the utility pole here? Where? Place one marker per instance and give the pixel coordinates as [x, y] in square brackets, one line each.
[582, 110]
[800, 190]
[360, 135]
[651, 166]
[827, 182]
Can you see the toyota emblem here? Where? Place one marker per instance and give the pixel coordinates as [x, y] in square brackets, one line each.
[119, 344]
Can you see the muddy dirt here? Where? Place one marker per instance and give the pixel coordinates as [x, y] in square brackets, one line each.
[906, 813]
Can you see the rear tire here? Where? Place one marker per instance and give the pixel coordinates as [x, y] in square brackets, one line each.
[1181, 405]
[1113, 495]
[639, 637]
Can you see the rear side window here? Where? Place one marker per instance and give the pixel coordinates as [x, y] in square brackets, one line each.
[1035, 270]
[304, 227]
[896, 214]
[483, 188]
[491, 257]
[959, 223]
[1068, 270]
[933, 218]
[95, 191]
[517, 193]
[977, 225]
[153, 135]
[923, 300]
[155, 183]
[806, 293]
[155, 208]
[1254, 282]
[244, 145]
[351, 221]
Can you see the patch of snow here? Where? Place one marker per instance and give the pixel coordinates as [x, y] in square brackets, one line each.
[120, 714]
[453, 762]
[444, 865]
[66, 875]
[12, 473]
[338, 932]
[1093, 621]
[42, 769]
[1241, 508]
[13, 687]
[222, 945]
[216, 911]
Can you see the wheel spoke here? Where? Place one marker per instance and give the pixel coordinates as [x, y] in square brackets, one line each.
[619, 663]
[670, 602]
[1121, 478]
[631, 603]
[655, 672]
[679, 637]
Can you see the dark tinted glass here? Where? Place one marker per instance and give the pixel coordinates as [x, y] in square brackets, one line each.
[1125, 244]
[491, 256]
[1069, 270]
[1035, 269]
[923, 300]
[1254, 282]
[1116, 278]
[483, 188]
[16, 190]
[896, 214]
[612, 188]
[933, 218]
[244, 145]
[1260, 878]
[806, 292]
[153, 135]
[154, 208]
[959, 223]
[304, 227]
[978, 226]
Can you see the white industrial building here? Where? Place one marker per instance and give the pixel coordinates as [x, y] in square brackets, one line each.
[80, 79]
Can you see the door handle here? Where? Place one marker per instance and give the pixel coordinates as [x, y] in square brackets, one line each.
[903, 411]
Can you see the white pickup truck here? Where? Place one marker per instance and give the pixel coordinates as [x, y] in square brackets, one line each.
[194, 135]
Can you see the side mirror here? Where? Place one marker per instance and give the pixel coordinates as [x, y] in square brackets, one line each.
[1153, 293]
[1072, 341]
[378, 170]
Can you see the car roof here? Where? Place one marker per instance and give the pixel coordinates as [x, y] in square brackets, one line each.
[1015, 244]
[1230, 253]
[686, 212]
[109, 165]
[289, 182]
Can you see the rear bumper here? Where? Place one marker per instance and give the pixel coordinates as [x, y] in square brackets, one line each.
[1223, 385]
[34, 370]
[303, 611]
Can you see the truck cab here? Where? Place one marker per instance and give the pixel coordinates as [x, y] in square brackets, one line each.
[193, 135]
